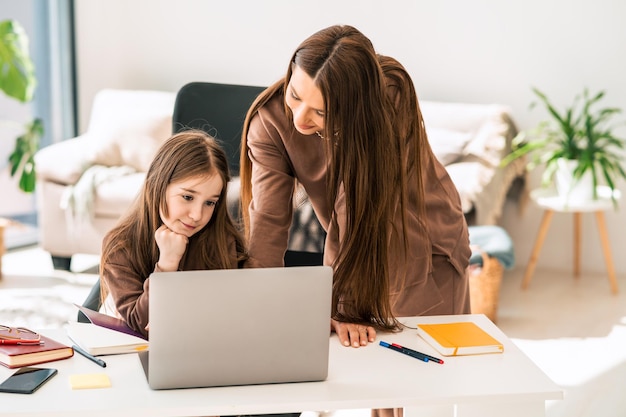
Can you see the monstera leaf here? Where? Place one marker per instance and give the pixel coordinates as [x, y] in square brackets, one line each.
[17, 72]
[18, 81]
[22, 159]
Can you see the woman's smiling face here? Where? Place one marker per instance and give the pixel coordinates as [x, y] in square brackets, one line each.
[306, 102]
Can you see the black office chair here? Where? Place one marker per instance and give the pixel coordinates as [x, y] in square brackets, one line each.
[219, 110]
[92, 302]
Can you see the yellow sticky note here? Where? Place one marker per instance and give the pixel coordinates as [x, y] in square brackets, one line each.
[89, 381]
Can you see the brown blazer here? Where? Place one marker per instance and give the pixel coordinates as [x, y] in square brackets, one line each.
[433, 277]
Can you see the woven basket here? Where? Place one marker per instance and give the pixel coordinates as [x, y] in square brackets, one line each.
[484, 285]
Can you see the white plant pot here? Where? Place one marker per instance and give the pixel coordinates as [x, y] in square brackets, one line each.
[573, 191]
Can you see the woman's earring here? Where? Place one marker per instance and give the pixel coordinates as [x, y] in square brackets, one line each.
[319, 134]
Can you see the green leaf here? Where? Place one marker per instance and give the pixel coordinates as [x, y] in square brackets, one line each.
[17, 72]
[28, 177]
[22, 159]
[579, 132]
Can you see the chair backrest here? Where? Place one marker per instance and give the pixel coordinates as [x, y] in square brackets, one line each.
[218, 109]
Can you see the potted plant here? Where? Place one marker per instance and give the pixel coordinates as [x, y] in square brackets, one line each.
[18, 81]
[579, 143]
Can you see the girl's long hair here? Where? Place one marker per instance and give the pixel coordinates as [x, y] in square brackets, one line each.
[374, 136]
[191, 153]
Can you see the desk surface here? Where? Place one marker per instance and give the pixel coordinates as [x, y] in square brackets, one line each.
[367, 377]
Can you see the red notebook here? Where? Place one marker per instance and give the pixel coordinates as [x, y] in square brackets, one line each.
[16, 356]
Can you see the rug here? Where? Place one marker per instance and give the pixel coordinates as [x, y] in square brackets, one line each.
[41, 303]
[35, 295]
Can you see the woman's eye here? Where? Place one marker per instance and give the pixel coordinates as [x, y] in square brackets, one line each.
[211, 203]
[187, 197]
[294, 96]
[320, 113]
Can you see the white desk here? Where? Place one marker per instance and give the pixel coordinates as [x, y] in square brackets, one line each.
[507, 384]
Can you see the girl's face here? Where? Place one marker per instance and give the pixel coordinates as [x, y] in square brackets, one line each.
[306, 103]
[191, 203]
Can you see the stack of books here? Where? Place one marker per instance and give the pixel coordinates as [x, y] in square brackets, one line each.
[16, 352]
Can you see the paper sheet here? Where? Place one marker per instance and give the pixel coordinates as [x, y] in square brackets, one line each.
[90, 381]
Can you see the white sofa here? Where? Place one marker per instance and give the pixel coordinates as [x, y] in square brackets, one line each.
[85, 184]
[471, 141]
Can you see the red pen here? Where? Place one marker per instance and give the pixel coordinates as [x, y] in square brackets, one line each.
[20, 342]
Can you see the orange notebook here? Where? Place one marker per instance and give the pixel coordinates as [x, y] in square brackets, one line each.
[16, 356]
[461, 338]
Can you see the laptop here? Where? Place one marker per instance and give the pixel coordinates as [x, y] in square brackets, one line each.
[238, 327]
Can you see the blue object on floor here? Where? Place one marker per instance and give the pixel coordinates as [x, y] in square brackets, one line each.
[494, 241]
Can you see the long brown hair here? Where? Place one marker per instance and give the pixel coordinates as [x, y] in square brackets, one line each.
[375, 137]
[191, 153]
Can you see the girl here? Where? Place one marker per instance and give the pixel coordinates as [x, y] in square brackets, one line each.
[179, 221]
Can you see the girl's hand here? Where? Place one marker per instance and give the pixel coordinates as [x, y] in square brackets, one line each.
[351, 334]
[172, 246]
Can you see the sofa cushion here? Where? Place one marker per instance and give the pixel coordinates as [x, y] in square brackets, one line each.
[115, 196]
[133, 149]
[447, 145]
[129, 126]
[63, 162]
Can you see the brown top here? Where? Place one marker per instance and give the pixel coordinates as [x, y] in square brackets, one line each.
[130, 290]
[280, 154]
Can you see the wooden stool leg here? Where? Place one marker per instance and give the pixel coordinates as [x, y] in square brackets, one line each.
[532, 262]
[577, 234]
[606, 248]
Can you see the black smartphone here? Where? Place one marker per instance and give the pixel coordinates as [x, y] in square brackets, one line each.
[27, 380]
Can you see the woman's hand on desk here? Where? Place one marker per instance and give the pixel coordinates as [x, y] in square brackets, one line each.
[351, 334]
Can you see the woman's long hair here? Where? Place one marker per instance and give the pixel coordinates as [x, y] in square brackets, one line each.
[371, 118]
[191, 153]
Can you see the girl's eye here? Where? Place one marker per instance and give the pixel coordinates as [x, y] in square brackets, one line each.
[211, 203]
[294, 96]
[319, 113]
[187, 197]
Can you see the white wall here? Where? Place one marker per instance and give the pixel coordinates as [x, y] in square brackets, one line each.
[481, 51]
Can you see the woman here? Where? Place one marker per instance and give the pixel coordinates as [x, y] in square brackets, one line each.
[345, 124]
[179, 221]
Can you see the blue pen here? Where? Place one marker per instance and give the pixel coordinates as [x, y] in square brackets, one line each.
[89, 356]
[430, 358]
[407, 352]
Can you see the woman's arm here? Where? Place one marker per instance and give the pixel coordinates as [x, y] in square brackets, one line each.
[271, 208]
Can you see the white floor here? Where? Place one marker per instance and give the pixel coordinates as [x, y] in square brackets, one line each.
[574, 329]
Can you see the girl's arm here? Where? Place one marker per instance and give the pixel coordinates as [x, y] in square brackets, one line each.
[129, 291]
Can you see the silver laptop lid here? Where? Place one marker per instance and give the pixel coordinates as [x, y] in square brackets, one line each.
[239, 326]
